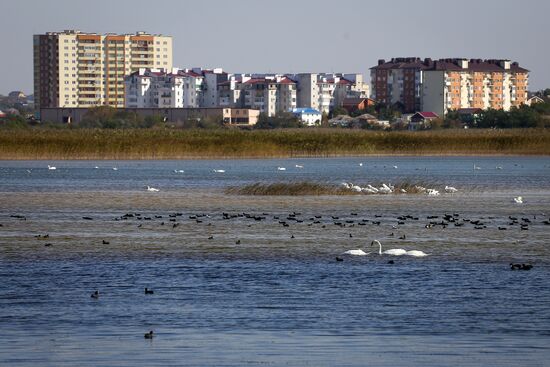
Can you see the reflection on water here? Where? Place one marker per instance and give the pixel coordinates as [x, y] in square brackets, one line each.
[260, 284]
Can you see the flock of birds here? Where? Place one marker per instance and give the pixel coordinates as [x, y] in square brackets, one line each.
[390, 189]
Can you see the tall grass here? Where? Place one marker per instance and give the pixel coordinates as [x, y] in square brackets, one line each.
[40, 143]
[308, 188]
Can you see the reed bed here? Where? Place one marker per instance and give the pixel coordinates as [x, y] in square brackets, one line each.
[42, 143]
[307, 188]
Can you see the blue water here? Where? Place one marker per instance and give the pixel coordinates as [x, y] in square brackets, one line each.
[252, 294]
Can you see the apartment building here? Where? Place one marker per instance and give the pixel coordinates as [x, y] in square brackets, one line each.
[325, 91]
[449, 84]
[161, 88]
[271, 94]
[76, 69]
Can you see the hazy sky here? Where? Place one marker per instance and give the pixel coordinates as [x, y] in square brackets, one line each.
[292, 35]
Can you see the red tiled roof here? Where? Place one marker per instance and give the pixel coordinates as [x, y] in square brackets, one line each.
[428, 115]
[286, 80]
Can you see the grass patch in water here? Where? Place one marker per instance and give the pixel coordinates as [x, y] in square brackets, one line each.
[307, 188]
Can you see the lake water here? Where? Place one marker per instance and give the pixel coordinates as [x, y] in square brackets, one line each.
[245, 289]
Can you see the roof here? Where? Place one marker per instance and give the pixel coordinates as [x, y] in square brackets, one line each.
[355, 101]
[427, 115]
[306, 110]
[451, 64]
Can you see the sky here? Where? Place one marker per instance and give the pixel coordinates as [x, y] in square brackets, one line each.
[290, 36]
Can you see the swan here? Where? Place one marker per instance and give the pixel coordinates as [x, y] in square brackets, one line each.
[356, 188]
[96, 167]
[357, 252]
[51, 168]
[450, 189]
[115, 169]
[281, 169]
[394, 167]
[518, 200]
[178, 171]
[152, 189]
[361, 164]
[299, 166]
[393, 251]
[433, 192]
[416, 253]
[219, 171]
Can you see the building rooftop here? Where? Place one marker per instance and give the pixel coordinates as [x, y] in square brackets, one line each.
[452, 64]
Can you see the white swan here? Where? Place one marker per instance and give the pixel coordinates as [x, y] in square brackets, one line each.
[361, 164]
[152, 189]
[393, 251]
[518, 200]
[299, 166]
[416, 253]
[96, 167]
[281, 169]
[51, 168]
[450, 189]
[357, 252]
[219, 171]
[178, 171]
[115, 169]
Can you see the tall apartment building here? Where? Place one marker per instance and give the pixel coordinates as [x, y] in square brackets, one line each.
[75, 69]
[449, 84]
[160, 88]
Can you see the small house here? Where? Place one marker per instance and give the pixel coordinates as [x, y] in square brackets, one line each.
[308, 116]
[422, 120]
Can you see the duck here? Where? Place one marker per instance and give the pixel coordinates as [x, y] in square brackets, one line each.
[95, 295]
[149, 291]
[148, 335]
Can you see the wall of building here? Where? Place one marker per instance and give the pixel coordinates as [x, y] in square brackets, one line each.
[433, 95]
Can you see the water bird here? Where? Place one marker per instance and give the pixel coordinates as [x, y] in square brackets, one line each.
[361, 164]
[299, 166]
[95, 295]
[238, 242]
[152, 189]
[402, 237]
[28, 171]
[51, 168]
[148, 291]
[281, 169]
[416, 253]
[520, 266]
[219, 171]
[394, 251]
[105, 242]
[179, 171]
[395, 167]
[148, 335]
[211, 237]
[115, 169]
[96, 167]
[356, 252]
[391, 262]
[339, 259]
[518, 200]
[450, 189]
